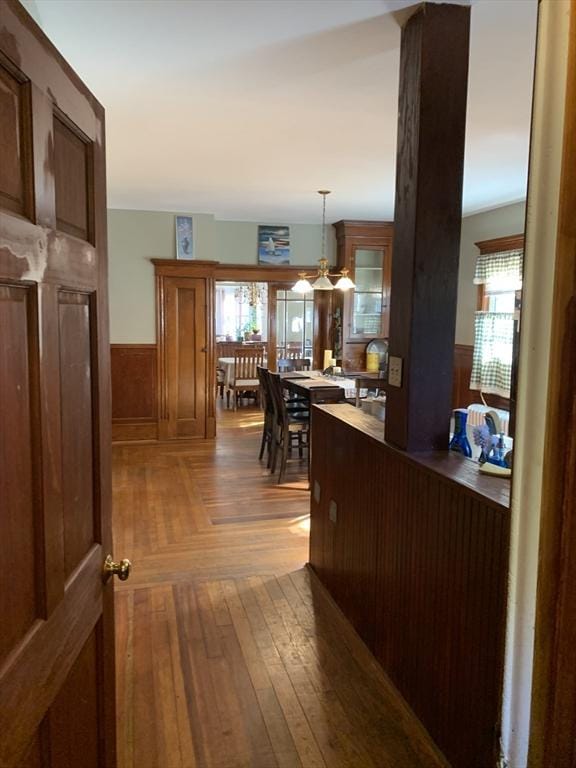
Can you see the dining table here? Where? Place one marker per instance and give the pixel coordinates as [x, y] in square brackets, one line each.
[318, 388]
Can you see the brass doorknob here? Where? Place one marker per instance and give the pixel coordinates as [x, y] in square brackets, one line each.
[121, 569]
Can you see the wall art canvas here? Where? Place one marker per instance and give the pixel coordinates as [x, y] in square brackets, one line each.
[273, 245]
[184, 242]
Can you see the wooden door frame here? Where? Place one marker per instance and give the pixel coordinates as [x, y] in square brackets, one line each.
[553, 711]
[210, 271]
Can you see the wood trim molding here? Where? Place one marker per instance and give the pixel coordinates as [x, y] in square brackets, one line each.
[554, 682]
[497, 244]
[215, 270]
[361, 231]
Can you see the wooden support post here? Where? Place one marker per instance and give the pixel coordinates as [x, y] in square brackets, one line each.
[427, 220]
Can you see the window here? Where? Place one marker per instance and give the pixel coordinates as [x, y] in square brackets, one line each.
[499, 276]
[294, 324]
[241, 308]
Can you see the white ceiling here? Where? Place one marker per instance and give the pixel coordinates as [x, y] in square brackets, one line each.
[244, 108]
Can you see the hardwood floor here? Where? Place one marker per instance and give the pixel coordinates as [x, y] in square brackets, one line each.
[229, 652]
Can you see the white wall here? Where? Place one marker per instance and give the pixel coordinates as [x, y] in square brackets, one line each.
[499, 222]
[135, 237]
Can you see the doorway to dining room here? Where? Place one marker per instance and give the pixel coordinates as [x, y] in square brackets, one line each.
[205, 311]
[266, 317]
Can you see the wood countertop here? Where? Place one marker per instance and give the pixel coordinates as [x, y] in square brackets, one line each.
[451, 465]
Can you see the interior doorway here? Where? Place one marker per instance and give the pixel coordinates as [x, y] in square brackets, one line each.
[291, 323]
[283, 322]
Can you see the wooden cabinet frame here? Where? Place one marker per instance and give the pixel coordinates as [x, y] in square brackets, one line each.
[350, 237]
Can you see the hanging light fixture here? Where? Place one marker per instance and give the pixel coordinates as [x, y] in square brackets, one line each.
[323, 281]
[249, 293]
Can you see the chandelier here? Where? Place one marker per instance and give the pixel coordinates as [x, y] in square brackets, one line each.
[322, 280]
[249, 293]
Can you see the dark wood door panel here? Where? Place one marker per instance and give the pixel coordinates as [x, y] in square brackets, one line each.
[77, 428]
[35, 754]
[15, 144]
[44, 659]
[72, 172]
[73, 718]
[20, 524]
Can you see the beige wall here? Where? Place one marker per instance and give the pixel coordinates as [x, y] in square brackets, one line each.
[499, 222]
[135, 237]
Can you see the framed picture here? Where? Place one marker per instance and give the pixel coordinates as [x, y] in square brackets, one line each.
[273, 245]
[184, 242]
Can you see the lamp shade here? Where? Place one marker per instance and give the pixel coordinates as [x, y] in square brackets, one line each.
[344, 284]
[302, 286]
[322, 283]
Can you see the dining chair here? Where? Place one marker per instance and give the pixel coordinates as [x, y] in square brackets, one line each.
[246, 361]
[267, 441]
[220, 381]
[290, 424]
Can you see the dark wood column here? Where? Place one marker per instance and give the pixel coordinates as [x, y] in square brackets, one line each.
[427, 220]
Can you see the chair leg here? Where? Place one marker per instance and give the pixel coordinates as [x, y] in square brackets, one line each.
[227, 398]
[284, 458]
[276, 443]
[263, 441]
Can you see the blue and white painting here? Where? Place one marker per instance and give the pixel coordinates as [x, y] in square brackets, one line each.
[273, 245]
[184, 242]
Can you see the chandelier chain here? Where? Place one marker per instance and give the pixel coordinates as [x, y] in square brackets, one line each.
[324, 226]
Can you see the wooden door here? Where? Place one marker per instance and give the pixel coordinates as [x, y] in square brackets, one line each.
[56, 614]
[184, 357]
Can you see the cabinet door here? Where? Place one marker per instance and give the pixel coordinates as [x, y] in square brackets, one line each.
[369, 300]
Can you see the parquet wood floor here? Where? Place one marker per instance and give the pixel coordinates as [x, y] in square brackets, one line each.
[229, 653]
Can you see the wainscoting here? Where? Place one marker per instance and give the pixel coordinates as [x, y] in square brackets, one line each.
[135, 389]
[134, 392]
[414, 550]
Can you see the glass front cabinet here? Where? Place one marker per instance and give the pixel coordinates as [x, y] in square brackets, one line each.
[365, 248]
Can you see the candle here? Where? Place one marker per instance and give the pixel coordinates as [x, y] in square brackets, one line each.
[327, 358]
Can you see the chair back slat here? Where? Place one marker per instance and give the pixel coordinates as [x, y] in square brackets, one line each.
[278, 403]
[265, 389]
[246, 362]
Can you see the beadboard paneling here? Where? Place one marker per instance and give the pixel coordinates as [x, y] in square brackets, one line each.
[418, 564]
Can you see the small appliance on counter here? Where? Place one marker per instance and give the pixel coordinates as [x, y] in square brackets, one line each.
[377, 356]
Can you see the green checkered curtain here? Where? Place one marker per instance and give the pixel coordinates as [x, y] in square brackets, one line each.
[492, 362]
[503, 266]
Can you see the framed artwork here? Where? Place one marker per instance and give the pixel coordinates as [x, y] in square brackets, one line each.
[184, 242]
[273, 245]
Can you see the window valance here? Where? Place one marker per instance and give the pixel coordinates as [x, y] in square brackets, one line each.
[503, 266]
